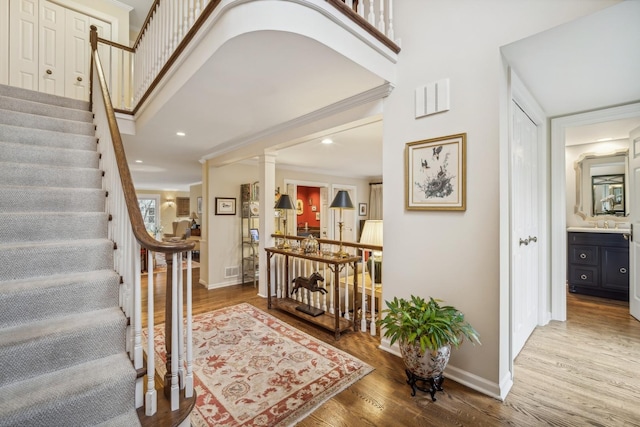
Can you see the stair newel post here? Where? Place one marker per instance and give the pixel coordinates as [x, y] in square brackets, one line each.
[180, 306]
[137, 307]
[188, 392]
[137, 318]
[151, 397]
[168, 330]
[175, 387]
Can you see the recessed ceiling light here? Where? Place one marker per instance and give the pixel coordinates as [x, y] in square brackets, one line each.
[180, 133]
[138, 161]
[327, 141]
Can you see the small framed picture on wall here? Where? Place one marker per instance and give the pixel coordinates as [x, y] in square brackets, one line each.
[362, 209]
[225, 206]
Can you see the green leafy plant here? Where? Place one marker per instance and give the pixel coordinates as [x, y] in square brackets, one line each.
[425, 322]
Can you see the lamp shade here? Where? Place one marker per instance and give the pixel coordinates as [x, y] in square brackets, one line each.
[284, 202]
[194, 215]
[372, 232]
[342, 200]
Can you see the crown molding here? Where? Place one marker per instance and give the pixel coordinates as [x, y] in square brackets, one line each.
[374, 94]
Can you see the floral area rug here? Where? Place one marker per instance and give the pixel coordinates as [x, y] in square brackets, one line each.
[252, 369]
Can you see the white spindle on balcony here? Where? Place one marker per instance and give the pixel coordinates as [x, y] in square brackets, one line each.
[369, 293]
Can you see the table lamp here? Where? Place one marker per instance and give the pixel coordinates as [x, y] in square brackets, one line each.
[194, 216]
[284, 202]
[372, 235]
[341, 201]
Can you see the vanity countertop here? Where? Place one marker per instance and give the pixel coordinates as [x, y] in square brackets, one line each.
[598, 230]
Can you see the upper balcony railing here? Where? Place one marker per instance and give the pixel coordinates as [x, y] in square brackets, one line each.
[171, 25]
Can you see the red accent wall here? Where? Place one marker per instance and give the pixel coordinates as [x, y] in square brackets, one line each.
[310, 196]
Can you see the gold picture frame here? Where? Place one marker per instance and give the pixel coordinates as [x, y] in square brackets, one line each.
[435, 174]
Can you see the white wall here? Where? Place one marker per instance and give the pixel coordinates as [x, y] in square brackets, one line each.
[455, 255]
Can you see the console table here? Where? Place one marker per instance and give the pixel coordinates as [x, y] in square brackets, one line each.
[333, 322]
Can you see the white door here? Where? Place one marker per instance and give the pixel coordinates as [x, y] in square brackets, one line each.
[51, 49]
[634, 218]
[324, 209]
[77, 59]
[78, 51]
[525, 213]
[23, 44]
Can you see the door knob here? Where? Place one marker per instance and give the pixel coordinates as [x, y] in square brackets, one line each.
[524, 242]
[79, 78]
[533, 239]
[49, 72]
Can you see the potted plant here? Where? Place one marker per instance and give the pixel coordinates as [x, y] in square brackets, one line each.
[425, 331]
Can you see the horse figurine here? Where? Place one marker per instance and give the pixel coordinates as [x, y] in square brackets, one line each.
[310, 283]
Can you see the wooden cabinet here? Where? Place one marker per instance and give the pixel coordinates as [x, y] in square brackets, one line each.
[331, 321]
[598, 264]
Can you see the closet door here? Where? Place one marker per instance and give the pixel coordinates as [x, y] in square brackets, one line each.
[78, 53]
[51, 49]
[23, 44]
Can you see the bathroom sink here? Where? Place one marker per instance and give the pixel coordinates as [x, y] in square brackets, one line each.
[598, 230]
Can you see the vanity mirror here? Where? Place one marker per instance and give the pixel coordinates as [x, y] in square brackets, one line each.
[600, 184]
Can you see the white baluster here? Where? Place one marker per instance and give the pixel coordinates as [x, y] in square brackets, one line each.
[363, 311]
[326, 286]
[188, 392]
[372, 15]
[151, 397]
[332, 293]
[185, 18]
[192, 17]
[373, 296]
[381, 21]
[175, 20]
[360, 8]
[390, 32]
[175, 389]
[349, 3]
[346, 293]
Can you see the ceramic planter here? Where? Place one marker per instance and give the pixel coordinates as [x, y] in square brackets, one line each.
[425, 368]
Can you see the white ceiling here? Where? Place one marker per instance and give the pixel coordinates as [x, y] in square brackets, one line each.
[257, 81]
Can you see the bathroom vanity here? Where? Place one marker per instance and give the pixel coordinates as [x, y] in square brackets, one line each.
[598, 262]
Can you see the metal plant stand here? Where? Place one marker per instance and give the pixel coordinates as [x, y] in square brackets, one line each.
[435, 384]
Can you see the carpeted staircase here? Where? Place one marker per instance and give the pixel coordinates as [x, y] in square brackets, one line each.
[62, 333]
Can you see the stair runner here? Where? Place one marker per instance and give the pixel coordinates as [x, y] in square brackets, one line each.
[62, 334]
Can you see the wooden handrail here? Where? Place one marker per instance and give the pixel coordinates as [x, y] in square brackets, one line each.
[115, 44]
[332, 242]
[152, 10]
[131, 199]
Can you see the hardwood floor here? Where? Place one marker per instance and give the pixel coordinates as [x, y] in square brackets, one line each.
[585, 371]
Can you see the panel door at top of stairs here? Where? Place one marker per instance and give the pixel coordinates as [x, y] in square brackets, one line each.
[49, 48]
